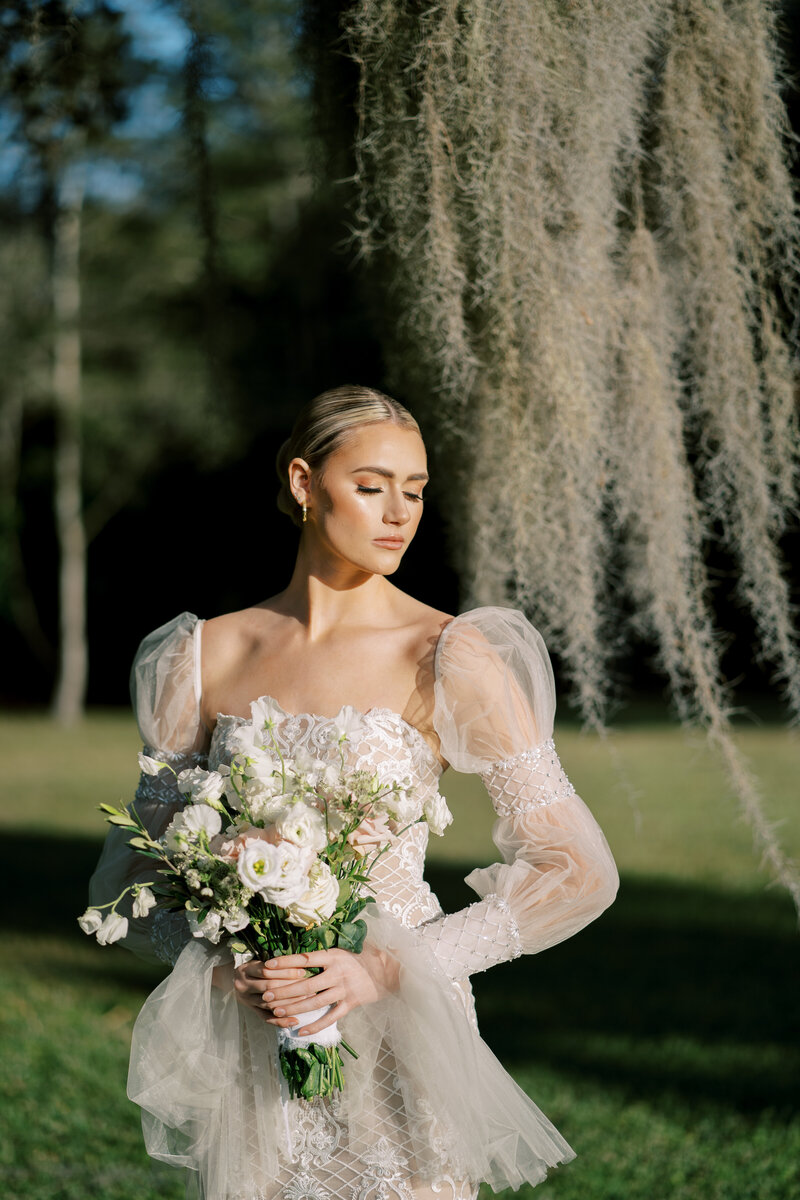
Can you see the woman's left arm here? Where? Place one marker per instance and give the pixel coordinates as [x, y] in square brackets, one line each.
[495, 704]
[557, 873]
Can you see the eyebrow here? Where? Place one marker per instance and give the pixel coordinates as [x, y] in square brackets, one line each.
[389, 474]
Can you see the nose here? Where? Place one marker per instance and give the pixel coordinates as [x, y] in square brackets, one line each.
[396, 512]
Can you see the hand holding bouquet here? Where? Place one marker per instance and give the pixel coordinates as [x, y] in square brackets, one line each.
[272, 855]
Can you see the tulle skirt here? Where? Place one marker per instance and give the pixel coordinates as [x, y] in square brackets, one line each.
[427, 1108]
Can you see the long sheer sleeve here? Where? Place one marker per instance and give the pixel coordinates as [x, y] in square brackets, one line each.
[165, 694]
[494, 709]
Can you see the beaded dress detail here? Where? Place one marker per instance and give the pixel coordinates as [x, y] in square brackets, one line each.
[427, 1109]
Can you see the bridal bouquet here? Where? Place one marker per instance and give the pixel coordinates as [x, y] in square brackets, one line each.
[272, 855]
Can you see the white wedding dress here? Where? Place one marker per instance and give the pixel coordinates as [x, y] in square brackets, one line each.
[427, 1109]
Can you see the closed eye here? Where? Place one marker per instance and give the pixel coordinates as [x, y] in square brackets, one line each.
[368, 491]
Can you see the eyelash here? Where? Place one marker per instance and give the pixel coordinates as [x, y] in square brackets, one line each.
[368, 491]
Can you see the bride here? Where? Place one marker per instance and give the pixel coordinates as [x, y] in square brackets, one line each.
[427, 1109]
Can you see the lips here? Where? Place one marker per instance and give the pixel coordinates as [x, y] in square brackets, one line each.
[389, 543]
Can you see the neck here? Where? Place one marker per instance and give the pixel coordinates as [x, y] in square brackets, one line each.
[324, 593]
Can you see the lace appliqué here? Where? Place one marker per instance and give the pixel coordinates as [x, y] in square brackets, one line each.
[169, 933]
[527, 780]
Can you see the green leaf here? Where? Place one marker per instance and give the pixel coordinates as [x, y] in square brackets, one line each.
[351, 936]
[122, 819]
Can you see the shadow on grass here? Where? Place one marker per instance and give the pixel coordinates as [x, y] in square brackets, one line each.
[676, 988]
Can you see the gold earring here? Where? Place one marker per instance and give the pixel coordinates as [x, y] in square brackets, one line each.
[305, 513]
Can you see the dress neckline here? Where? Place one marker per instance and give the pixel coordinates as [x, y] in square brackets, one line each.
[373, 710]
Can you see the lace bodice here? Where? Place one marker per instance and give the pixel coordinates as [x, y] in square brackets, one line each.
[494, 702]
[388, 745]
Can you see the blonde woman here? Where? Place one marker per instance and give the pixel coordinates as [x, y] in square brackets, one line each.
[427, 1109]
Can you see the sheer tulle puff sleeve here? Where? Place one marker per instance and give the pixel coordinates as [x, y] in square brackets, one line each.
[494, 709]
[165, 694]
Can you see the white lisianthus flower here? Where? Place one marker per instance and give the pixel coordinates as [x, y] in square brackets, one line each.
[279, 873]
[197, 817]
[320, 899]
[303, 825]
[266, 712]
[91, 920]
[236, 920]
[347, 721]
[150, 766]
[437, 814]
[112, 929]
[209, 928]
[143, 902]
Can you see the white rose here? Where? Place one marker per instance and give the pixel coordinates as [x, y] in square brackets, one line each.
[197, 817]
[91, 920]
[303, 825]
[320, 899]
[437, 814]
[236, 920]
[210, 927]
[143, 902]
[279, 873]
[150, 766]
[266, 712]
[112, 929]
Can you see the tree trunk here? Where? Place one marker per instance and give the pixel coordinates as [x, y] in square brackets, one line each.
[70, 693]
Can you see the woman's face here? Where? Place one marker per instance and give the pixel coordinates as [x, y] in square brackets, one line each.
[366, 503]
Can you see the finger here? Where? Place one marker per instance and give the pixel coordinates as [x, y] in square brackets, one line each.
[250, 987]
[298, 1007]
[294, 991]
[336, 1013]
[278, 973]
[312, 958]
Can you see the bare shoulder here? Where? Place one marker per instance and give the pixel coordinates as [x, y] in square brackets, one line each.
[231, 637]
[423, 622]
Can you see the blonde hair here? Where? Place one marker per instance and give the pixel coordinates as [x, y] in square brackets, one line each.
[325, 424]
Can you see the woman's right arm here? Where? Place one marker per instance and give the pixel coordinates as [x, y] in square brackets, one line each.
[165, 693]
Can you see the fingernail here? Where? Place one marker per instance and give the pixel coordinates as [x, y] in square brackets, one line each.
[269, 995]
[273, 962]
[279, 1012]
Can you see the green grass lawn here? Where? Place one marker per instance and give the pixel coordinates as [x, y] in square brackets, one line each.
[662, 1041]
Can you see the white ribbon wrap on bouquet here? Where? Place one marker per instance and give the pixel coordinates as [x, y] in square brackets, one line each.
[204, 1070]
[330, 1036]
